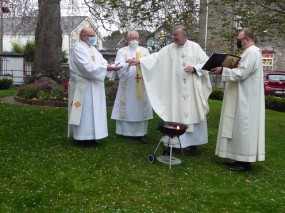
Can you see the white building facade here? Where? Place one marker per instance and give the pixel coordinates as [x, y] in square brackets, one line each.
[18, 30]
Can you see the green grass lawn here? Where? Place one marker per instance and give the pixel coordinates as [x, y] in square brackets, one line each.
[42, 171]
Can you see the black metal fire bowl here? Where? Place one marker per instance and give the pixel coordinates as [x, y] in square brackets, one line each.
[171, 129]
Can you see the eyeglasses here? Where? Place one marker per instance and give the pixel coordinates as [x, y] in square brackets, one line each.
[89, 35]
[177, 35]
[239, 39]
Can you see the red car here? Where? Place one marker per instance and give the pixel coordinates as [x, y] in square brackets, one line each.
[274, 83]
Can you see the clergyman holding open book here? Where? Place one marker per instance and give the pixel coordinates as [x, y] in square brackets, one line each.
[241, 135]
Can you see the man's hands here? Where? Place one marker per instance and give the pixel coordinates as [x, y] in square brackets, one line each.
[113, 67]
[133, 62]
[190, 69]
[217, 70]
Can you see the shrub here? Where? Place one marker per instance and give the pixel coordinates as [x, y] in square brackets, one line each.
[217, 94]
[5, 83]
[17, 48]
[44, 90]
[60, 76]
[64, 58]
[30, 51]
[28, 91]
[275, 103]
[271, 102]
[111, 88]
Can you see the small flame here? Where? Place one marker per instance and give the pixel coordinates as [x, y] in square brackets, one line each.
[178, 127]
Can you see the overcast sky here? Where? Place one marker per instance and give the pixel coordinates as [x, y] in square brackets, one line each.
[73, 7]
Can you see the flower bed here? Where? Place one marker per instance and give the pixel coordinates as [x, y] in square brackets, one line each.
[48, 93]
[44, 92]
[41, 102]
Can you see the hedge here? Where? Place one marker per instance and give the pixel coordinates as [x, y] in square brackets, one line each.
[271, 102]
[5, 83]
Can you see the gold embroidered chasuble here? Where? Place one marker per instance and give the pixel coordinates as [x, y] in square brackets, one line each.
[174, 94]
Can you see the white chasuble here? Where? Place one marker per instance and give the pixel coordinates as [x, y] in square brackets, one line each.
[178, 96]
[132, 108]
[127, 106]
[174, 94]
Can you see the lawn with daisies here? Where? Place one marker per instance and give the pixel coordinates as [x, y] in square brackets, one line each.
[41, 170]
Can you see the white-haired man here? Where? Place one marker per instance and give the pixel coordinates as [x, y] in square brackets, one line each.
[132, 108]
[178, 88]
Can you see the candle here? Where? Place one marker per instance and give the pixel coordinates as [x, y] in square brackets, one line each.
[138, 54]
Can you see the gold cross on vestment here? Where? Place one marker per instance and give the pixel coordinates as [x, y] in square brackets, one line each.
[138, 77]
[183, 56]
[77, 104]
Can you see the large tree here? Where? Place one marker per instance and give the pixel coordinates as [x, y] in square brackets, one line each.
[48, 40]
[143, 14]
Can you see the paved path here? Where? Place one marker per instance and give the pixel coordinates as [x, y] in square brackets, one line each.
[10, 100]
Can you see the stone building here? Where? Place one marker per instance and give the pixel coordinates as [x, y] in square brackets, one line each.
[273, 49]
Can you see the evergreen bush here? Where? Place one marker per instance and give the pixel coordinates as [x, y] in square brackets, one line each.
[64, 58]
[29, 51]
[5, 83]
[28, 91]
[271, 102]
[111, 88]
[275, 103]
[217, 94]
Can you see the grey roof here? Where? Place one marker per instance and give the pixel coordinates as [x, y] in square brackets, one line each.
[27, 25]
[11, 54]
[69, 23]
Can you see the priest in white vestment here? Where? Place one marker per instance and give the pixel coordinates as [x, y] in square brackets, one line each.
[241, 135]
[132, 108]
[178, 88]
[87, 117]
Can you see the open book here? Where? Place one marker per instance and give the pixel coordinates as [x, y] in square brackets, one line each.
[221, 60]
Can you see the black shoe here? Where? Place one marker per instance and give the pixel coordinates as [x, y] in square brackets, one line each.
[142, 139]
[240, 167]
[87, 143]
[82, 143]
[233, 163]
[96, 142]
[192, 151]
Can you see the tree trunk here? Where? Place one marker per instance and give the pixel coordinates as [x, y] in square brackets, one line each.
[48, 38]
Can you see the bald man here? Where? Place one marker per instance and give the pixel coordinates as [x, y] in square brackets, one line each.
[87, 117]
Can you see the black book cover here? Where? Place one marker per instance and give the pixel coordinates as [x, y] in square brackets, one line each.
[221, 60]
